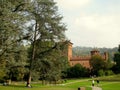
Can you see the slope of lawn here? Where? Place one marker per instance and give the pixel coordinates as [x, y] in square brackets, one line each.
[69, 85]
[110, 85]
[110, 78]
[106, 83]
[110, 82]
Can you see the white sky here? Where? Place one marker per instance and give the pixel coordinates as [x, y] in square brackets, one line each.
[91, 23]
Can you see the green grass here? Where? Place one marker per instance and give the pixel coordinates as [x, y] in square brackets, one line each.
[110, 78]
[110, 82]
[69, 85]
[111, 86]
[106, 83]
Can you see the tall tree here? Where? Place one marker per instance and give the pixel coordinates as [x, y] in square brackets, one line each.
[12, 21]
[11, 25]
[49, 60]
[97, 63]
[46, 26]
[117, 61]
[16, 63]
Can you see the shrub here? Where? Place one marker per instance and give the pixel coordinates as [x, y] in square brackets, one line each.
[109, 72]
[101, 73]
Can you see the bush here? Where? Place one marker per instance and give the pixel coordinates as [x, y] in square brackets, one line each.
[77, 71]
[2, 74]
[101, 73]
[109, 72]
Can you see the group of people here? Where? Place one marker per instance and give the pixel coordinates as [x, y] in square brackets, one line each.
[93, 82]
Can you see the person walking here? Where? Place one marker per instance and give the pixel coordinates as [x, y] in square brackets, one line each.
[93, 82]
[98, 82]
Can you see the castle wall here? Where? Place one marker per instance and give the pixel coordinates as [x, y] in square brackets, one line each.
[84, 61]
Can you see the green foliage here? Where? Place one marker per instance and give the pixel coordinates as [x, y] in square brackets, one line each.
[109, 72]
[12, 24]
[108, 64]
[17, 73]
[110, 78]
[101, 73]
[77, 71]
[38, 23]
[46, 29]
[119, 49]
[100, 67]
[97, 63]
[16, 62]
[116, 68]
[117, 58]
[50, 64]
[105, 72]
[2, 69]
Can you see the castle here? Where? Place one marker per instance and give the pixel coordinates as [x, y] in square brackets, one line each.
[83, 60]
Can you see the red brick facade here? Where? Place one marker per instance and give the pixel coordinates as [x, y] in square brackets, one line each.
[83, 60]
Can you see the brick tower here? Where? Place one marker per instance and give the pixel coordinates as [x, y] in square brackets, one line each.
[69, 50]
[95, 52]
[105, 55]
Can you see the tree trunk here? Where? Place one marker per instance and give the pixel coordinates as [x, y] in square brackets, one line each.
[29, 80]
[32, 58]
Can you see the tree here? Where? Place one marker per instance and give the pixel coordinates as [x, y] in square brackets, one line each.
[119, 48]
[50, 61]
[2, 69]
[116, 68]
[77, 71]
[36, 21]
[11, 25]
[16, 66]
[46, 26]
[97, 63]
[58, 61]
[12, 21]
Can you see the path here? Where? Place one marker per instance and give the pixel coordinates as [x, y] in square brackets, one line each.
[96, 88]
[93, 88]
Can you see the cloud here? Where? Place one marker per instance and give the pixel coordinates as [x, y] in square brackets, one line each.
[96, 30]
[91, 22]
[98, 22]
[72, 4]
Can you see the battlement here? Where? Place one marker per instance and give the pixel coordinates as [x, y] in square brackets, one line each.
[80, 58]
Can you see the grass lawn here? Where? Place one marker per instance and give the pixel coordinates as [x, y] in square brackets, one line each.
[110, 85]
[110, 82]
[69, 85]
[106, 83]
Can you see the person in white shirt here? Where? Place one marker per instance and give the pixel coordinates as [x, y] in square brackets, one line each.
[93, 82]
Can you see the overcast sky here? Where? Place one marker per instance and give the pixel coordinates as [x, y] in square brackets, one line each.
[91, 23]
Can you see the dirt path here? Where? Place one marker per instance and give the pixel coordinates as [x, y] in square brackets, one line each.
[96, 88]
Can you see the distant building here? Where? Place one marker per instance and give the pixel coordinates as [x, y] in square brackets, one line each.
[83, 60]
